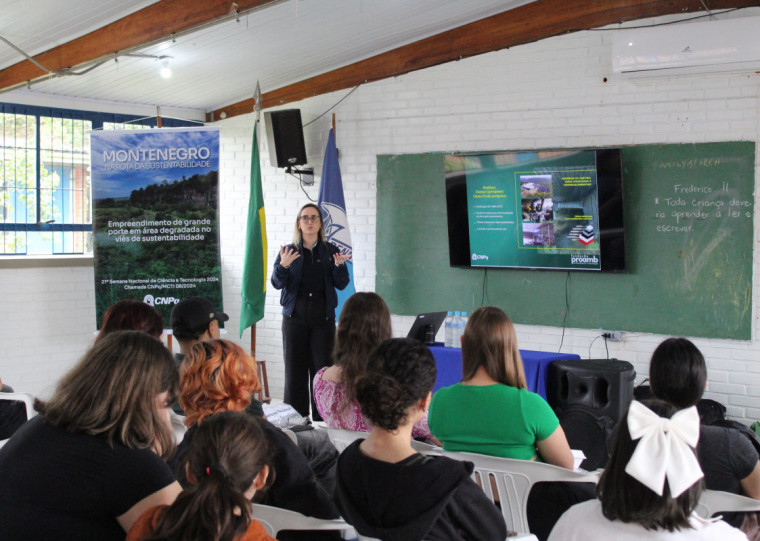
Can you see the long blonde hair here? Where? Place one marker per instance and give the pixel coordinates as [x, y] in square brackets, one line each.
[490, 341]
[113, 390]
[297, 237]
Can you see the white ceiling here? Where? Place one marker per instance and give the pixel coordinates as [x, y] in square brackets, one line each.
[218, 65]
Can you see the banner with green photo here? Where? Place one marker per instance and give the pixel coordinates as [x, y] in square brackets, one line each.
[156, 217]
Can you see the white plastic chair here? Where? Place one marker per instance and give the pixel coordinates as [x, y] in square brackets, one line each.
[178, 426]
[426, 448]
[343, 438]
[513, 480]
[275, 519]
[715, 501]
[28, 401]
[516, 537]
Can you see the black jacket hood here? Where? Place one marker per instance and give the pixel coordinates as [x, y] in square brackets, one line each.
[396, 502]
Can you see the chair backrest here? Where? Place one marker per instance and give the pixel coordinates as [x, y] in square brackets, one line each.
[426, 448]
[715, 501]
[343, 438]
[28, 401]
[26, 398]
[263, 394]
[512, 479]
[275, 519]
[178, 426]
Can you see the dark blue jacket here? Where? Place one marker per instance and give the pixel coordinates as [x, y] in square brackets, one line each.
[289, 280]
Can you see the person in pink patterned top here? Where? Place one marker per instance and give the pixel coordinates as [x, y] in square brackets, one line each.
[365, 322]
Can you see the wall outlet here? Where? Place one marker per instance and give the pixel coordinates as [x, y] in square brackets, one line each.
[612, 336]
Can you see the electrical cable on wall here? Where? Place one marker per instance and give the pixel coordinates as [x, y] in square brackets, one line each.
[567, 310]
[484, 293]
[591, 344]
[301, 184]
[708, 14]
[334, 106]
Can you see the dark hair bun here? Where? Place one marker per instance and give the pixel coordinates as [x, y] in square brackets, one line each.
[400, 373]
[382, 399]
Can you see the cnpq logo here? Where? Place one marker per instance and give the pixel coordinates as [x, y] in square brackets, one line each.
[157, 301]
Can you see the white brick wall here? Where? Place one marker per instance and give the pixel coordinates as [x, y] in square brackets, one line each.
[546, 94]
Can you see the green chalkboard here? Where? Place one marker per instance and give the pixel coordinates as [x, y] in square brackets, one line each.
[689, 239]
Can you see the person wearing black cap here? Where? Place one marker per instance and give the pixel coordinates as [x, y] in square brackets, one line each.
[195, 320]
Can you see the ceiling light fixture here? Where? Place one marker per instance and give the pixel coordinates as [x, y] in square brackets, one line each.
[166, 71]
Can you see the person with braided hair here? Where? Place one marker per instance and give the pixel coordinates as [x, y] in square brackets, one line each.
[227, 463]
[387, 490]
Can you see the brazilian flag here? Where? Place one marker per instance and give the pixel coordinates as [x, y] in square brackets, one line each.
[254, 289]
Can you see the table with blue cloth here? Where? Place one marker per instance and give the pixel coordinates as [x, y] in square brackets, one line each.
[536, 364]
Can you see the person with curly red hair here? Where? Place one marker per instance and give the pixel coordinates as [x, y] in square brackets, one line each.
[217, 376]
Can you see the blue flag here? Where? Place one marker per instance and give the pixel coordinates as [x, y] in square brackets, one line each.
[333, 206]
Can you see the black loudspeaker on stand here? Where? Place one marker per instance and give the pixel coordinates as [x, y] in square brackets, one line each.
[285, 138]
[590, 398]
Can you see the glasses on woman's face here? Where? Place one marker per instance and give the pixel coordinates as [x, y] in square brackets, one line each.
[312, 218]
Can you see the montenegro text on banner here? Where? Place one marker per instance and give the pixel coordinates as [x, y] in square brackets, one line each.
[156, 217]
[333, 206]
[254, 289]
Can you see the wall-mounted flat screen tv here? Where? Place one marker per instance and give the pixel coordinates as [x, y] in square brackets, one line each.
[541, 209]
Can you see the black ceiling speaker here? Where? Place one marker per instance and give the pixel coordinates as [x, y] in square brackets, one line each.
[285, 137]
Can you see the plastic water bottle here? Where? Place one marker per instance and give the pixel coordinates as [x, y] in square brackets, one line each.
[457, 329]
[464, 324]
[448, 327]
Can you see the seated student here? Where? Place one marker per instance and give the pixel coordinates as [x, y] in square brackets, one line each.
[12, 414]
[364, 323]
[131, 315]
[227, 463]
[196, 320]
[651, 484]
[219, 376]
[491, 412]
[91, 462]
[385, 488]
[678, 374]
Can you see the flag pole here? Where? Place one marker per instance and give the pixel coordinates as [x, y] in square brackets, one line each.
[257, 110]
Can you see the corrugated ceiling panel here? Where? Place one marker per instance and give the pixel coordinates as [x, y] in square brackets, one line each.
[38, 25]
[279, 45]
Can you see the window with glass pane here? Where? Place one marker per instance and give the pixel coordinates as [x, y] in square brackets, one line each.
[64, 186]
[18, 178]
[45, 191]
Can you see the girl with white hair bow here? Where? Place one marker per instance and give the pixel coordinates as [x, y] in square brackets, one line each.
[651, 484]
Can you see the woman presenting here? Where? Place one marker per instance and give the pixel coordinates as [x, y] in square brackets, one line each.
[308, 271]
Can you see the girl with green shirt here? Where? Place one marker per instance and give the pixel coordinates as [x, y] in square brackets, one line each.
[491, 412]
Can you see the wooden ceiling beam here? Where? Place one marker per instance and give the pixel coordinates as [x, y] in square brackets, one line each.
[149, 25]
[532, 22]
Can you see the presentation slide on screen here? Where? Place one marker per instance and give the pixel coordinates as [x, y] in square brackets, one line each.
[534, 210]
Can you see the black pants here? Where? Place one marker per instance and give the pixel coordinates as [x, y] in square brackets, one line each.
[307, 345]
